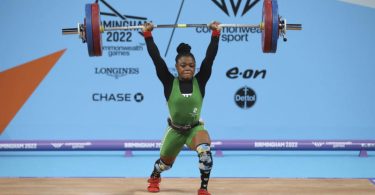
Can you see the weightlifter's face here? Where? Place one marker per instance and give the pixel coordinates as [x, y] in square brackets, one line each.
[185, 67]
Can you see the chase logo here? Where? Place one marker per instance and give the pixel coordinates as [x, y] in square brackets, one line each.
[138, 97]
[235, 6]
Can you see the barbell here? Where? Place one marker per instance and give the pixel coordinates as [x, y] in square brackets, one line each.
[272, 26]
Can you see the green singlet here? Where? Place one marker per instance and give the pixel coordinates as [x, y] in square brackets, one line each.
[183, 109]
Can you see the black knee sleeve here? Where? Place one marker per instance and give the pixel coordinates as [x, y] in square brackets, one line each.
[160, 166]
[205, 158]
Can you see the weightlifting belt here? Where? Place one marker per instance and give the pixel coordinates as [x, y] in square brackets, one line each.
[182, 128]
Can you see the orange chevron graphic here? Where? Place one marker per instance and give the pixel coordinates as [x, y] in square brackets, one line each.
[18, 83]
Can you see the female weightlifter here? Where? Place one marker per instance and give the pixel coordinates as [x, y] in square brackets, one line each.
[184, 95]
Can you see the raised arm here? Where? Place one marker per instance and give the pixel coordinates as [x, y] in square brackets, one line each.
[206, 67]
[161, 67]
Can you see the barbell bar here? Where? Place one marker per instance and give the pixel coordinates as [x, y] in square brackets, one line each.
[272, 26]
[68, 31]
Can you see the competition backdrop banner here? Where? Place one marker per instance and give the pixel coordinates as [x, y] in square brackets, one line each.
[319, 84]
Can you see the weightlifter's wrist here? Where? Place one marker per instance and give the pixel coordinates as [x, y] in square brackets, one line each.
[216, 33]
[147, 34]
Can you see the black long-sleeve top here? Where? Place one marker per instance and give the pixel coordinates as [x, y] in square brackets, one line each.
[167, 78]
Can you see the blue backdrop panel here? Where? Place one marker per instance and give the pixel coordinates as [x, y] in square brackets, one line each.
[319, 85]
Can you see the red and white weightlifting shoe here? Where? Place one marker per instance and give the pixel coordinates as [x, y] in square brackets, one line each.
[203, 192]
[153, 184]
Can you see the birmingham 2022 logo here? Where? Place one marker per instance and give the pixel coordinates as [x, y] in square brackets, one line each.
[121, 43]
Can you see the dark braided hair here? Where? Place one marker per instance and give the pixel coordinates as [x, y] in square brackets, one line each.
[183, 50]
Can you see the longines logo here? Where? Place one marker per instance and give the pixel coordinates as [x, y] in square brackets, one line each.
[235, 6]
[116, 72]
